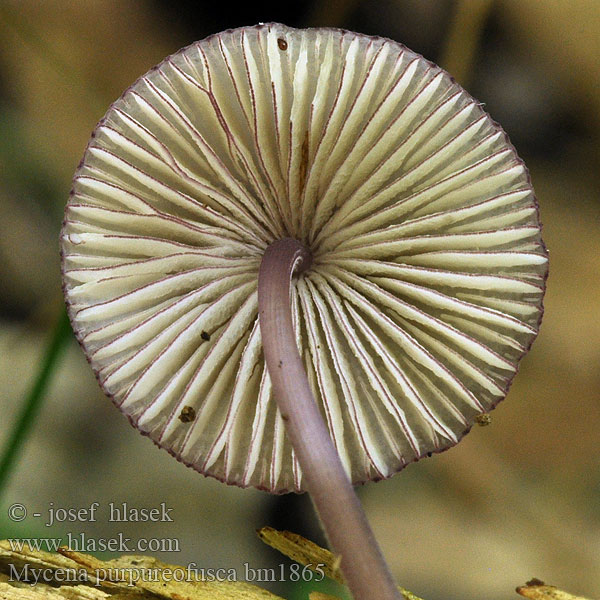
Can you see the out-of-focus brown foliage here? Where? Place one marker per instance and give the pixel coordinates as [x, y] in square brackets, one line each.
[514, 500]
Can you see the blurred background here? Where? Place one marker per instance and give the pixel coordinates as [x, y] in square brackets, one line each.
[515, 500]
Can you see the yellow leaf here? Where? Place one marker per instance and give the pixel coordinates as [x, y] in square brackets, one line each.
[538, 590]
[309, 554]
[124, 578]
[303, 551]
[321, 596]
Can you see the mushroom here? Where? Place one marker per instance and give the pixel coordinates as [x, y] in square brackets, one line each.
[303, 258]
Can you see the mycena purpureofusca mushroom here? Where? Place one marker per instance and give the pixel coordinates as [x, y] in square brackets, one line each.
[301, 259]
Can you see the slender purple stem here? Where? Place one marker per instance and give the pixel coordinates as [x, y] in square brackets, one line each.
[342, 516]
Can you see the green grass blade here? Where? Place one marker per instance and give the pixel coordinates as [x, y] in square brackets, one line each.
[33, 401]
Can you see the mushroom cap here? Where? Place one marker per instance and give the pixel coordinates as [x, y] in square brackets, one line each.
[428, 264]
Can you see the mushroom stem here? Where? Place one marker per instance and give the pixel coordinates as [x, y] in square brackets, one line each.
[342, 516]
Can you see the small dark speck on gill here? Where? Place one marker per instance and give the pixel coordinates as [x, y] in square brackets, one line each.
[282, 44]
[205, 336]
[187, 414]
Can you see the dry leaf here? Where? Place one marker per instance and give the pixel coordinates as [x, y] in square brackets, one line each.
[310, 555]
[303, 551]
[538, 590]
[75, 576]
[124, 578]
[168, 581]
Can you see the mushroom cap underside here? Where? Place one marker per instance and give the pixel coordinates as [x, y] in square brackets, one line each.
[428, 264]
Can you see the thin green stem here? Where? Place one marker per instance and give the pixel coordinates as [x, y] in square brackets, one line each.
[33, 401]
